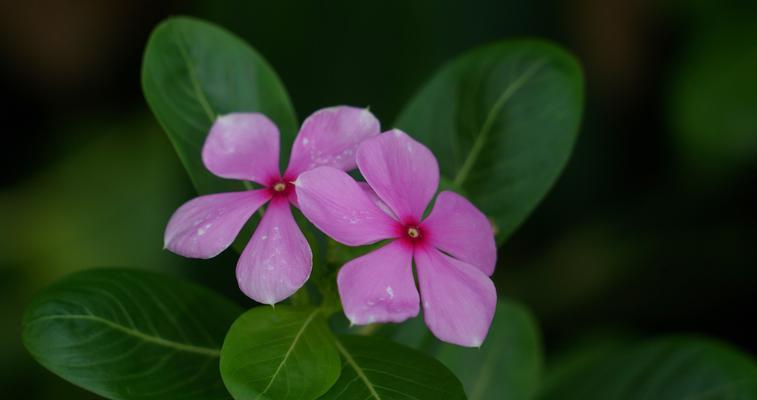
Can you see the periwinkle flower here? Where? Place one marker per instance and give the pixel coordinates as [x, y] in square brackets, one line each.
[453, 247]
[245, 146]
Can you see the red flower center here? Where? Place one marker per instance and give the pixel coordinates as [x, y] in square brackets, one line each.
[281, 187]
[411, 235]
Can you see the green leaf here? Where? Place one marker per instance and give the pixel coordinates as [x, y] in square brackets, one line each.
[377, 369]
[194, 71]
[503, 118]
[278, 354]
[412, 333]
[128, 334]
[508, 364]
[668, 368]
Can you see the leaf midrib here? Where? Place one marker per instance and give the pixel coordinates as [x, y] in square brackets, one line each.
[296, 339]
[359, 371]
[194, 80]
[483, 133]
[161, 341]
[197, 87]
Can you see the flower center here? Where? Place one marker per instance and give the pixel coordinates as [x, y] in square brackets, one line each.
[413, 232]
[279, 187]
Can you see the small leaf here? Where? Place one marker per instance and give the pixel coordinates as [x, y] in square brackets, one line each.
[503, 120]
[377, 369]
[194, 71]
[508, 365]
[668, 368]
[128, 334]
[282, 353]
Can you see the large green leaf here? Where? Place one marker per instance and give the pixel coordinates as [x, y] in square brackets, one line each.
[508, 364]
[670, 368]
[128, 334]
[377, 369]
[278, 354]
[194, 71]
[502, 120]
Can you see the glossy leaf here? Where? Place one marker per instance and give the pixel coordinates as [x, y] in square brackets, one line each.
[279, 353]
[129, 334]
[377, 369]
[508, 364]
[502, 119]
[194, 71]
[669, 368]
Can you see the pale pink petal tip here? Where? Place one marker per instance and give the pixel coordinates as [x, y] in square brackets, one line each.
[204, 226]
[403, 173]
[458, 228]
[329, 137]
[379, 286]
[458, 299]
[243, 146]
[277, 261]
[338, 206]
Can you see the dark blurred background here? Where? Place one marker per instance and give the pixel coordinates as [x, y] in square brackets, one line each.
[652, 228]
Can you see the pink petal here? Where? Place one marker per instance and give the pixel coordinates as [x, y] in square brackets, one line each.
[376, 200]
[379, 286]
[330, 136]
[401, 171]
[243, 146]
[278, 260]
[336, 204]
[206, 225]
[458, 228]
[458, 299]
[293, 198]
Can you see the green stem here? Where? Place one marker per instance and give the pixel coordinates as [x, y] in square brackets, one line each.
[368, 329]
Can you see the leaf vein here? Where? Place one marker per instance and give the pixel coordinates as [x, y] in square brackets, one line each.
[133, 332]
[199, 94]
[288, 353]
[483, 134]
[358, 370]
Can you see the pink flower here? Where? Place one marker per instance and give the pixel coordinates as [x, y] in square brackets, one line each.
[453, 248]
[245, 146]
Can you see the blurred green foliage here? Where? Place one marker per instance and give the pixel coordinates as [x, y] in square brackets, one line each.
[103, 202]
[713, 102]
[660, 369]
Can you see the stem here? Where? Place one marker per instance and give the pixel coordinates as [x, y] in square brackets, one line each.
[368, 329]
